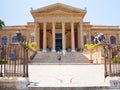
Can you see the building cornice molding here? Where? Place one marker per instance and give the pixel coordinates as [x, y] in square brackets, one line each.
[105, 27]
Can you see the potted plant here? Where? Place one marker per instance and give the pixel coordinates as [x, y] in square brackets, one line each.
[29, 61]
[90, 47]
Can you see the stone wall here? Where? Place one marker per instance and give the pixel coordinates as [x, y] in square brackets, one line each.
[97, 54]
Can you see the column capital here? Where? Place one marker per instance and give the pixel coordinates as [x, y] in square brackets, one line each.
[53, 21]
[35, 21]
[63, 21]
[37, 24]
[81, 20]
[45, 21]
[72, 21]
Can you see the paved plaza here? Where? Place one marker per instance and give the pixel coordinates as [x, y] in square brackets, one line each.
[67, 75]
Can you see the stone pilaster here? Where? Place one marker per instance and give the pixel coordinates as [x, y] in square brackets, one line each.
[118, 38]
[36, 35]
[81, 34]
[9, 39]
[78, 33]
[107, 37]
[72, 37]
[88, 37]
[28, 35]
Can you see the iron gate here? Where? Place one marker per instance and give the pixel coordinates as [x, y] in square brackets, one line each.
[13, 61]
[112, 60]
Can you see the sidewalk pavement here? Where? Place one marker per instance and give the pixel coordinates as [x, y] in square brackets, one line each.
[67, 75]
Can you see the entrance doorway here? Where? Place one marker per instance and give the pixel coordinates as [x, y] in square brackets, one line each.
[58, 41]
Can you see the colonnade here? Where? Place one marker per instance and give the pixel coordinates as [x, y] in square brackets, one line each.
[63, 35]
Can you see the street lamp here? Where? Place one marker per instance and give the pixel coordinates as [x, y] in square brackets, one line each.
[19, 37]
[21, 41]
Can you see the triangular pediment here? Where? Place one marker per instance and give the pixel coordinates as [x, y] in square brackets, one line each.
[58, 8]
[58, 11]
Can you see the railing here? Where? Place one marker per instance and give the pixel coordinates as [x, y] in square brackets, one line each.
[13, 61]
[112, 60]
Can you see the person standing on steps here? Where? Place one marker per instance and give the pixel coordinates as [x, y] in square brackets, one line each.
[59, 57]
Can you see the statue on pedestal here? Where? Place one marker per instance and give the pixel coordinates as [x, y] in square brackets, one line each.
[99, 38]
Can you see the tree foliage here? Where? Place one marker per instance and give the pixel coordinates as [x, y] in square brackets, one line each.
[1, 24]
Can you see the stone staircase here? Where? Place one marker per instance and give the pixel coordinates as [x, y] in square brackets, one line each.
[52, 58]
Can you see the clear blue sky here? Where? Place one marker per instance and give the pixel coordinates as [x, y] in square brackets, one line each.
[105, 12]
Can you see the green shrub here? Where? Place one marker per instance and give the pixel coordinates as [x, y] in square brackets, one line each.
[79, 49]
[116, 60]
[2, 61]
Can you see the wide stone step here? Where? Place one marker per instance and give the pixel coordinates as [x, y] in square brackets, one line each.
[62, 61]
[71, 88]
[67, 58]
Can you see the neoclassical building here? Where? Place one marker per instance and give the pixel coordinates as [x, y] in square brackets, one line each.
[59, 27]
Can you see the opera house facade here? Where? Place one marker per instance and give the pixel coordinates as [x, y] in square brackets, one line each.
[59, 27]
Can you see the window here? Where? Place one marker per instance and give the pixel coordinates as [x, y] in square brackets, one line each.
[24, 38]
[85, 39]
[32, 39]
[112, 40]
[58, 35]
[14, 40]
[92, 39]
[4, 40]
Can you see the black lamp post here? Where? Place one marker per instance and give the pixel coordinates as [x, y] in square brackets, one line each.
[21, 41]
[19, 37]
[18, 33]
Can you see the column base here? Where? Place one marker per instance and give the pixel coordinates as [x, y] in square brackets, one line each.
[63, 50]
[44, 51]
[72, 50]
[53, 50]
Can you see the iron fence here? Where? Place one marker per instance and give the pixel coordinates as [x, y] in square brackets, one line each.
[112, 60]
[13, 61]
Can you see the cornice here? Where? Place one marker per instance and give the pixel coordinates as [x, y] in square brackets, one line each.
[105, 27]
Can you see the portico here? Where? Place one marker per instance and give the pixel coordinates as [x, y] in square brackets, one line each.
[54, 31]
[61, 20]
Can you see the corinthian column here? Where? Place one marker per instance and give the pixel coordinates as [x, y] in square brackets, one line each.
[53, 37]
[72, 37]
[44, 37]
[63, 36]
